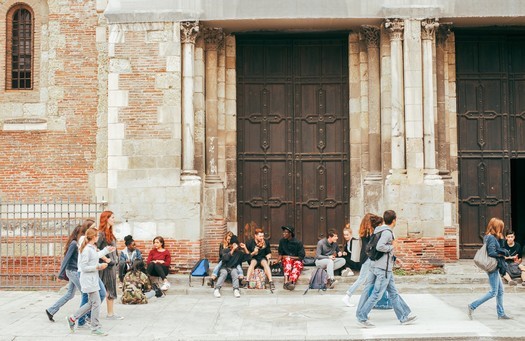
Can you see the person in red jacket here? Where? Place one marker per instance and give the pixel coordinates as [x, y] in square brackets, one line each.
[159, 260]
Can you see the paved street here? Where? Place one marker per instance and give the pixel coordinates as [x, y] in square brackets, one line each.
[290, 316]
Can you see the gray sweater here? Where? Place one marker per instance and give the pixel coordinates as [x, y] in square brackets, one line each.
[386, 262]
[325, 249]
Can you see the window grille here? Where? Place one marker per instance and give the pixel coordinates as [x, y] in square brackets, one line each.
[20, 48]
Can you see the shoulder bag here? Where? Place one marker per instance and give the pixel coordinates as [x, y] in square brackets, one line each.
[484, 261]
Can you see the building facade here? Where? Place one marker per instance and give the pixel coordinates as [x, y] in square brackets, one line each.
[190, 118]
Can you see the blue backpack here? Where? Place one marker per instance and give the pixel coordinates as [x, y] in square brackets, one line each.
[200, 269]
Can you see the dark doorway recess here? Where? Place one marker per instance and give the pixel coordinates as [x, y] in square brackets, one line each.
[517, 176]
[292, 133]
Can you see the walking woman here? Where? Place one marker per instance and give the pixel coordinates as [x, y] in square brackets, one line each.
[493, 233]
[108, 275]
[69, 268]
[159, 260]
[89, 267]
[366, 229]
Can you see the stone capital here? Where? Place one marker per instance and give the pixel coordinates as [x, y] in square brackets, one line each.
[189, 31]
[372, 35]
[214, 37]
[429, 27]
[443, 32]
[395, 28]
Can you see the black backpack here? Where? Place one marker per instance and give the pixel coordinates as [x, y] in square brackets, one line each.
[371, 250]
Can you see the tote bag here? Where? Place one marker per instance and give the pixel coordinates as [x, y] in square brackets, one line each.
[356, 250]
[484, 261]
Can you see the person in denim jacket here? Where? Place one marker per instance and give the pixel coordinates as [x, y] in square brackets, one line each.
[492, 234]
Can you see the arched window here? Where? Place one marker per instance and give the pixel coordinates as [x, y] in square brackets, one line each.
[19, 48]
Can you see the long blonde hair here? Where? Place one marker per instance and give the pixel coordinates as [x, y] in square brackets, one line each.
[495, 227]
[225, 242]
[91, 233]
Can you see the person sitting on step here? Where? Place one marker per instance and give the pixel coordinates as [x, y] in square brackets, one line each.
[229, 238]
[261, 254]
[291, 254]
[231, 258]
[159, 260]
[513, 261]
[327, 256]
[127, 257]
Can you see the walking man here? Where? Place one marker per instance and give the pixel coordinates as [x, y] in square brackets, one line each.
[381, 277]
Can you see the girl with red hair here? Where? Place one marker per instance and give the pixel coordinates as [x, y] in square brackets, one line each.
[109, 274]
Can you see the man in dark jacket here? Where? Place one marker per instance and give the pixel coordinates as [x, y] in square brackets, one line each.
[291, 254]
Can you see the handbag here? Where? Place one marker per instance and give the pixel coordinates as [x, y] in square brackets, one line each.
[356, 250]
[484, 261]
[277, 269]
[309, 261]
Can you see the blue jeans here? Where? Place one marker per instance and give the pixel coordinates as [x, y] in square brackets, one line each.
[496, 290]
[381, 281]
[363, 275]
[73, 286]
[218, 268]
[101, 292]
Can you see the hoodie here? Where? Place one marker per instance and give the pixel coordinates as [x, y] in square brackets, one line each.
[386, 262]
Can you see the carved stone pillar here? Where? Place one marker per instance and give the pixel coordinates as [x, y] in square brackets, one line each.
[213, 38]
[189, 32]
[429, 27]
[395, 28]
[372, 35]
[443, 145]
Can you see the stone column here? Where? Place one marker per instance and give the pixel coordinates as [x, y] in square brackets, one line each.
[443, 154]
[372, 35]
[189, 31]
[429, 27]
[413, 100]
[213, 37]
[395, 28]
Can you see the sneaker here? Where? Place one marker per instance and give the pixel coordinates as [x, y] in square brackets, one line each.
[49, 316]
[504, 317]
[346, 301]
[217, 293]
[165, 286]
[291, 286]
[236, 293]
[347, 272]
[211, 282]
[469, 311]
[409, 319]
[98, 332]
[272, 286]
[114, 317]
[330, 284]
[71, 322]
[513, 283]
[365, 324]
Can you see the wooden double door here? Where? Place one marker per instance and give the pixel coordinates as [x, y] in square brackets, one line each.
[292, 134]
[491, 133]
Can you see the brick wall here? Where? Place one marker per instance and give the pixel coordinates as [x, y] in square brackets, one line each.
[56, 162]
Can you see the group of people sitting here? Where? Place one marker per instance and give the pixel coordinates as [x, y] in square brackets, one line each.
[513, 267]
[257, 253]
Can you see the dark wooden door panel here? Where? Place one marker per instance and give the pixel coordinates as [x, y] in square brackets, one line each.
[293, 134]
[490, 89]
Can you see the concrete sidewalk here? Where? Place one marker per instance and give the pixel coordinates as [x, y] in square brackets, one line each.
[314, 316]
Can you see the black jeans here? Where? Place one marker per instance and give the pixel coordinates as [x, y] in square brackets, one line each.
[158, 270]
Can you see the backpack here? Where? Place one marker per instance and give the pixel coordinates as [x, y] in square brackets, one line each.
[257, 280]
[371, 250]
[200, 269]
[318, 280]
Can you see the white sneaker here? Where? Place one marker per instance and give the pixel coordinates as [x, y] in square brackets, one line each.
[347, 272]
[217, 293]
[165, 286]
[236, 293]
[346, 301]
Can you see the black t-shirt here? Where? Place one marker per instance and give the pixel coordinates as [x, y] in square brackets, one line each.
[292, 247]
[250, 245]
[514, 249]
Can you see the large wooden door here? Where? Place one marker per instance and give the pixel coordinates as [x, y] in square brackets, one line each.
[292, 134]
[491, 113]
